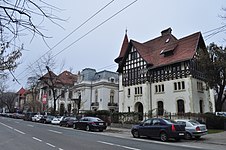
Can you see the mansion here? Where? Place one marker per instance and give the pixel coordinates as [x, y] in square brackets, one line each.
[162, 75]
[74, 93]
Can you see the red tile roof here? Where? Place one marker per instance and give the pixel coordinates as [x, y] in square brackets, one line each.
[21, 92]
[64, 78]
[153, 51]
[67, 77]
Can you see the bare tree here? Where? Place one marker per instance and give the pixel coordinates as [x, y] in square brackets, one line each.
[45, 66]
[18, 18]
[8, 99]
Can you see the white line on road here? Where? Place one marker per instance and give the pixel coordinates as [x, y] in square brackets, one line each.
[30, 125]
[50, 145]
[55, 131]
[6, 125]
[61, 149]
[37, 139]
[19, 131]
[112, 144]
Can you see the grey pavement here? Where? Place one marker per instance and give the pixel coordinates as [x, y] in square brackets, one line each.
[217, 138]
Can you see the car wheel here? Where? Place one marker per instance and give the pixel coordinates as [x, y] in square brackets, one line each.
[188, 136]
[87, 128]
[197, 137]
[74, 126]
[163, 137]
[136, 134]
[67, 125]
[101, 130]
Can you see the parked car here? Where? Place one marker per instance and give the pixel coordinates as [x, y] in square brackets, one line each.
[68, 121]
[46, 119]
[56, 120]
[36, 118]
[193, 128]
[159, 128]
[90, 123]
[28, 116]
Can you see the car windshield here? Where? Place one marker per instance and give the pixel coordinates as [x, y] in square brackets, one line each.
[193, 122]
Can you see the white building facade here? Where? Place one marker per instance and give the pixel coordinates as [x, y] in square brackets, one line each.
[97, 90]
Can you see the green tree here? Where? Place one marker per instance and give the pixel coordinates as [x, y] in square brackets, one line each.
[214, 68]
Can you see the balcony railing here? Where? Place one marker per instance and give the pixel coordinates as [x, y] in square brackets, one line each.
[112, 104]
[95, 104]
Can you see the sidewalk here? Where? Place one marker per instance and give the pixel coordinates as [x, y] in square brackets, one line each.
[217, 138]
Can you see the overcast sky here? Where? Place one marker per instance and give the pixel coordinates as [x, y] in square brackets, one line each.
[144, 20]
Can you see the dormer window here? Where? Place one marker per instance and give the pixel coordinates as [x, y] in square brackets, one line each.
[111, 79]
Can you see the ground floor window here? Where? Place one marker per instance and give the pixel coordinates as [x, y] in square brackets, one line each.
[160, 108]
[180, 106]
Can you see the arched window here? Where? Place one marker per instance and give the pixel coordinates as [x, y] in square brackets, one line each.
[112, 93]
[160, 108]
[180, 106]
[96, 96]
[201, 106]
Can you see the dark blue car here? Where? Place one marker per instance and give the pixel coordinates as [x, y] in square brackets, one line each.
[159, 128]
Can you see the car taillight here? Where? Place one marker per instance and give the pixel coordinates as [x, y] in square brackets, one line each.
[93, 123]
[173, 128]
[198, 129]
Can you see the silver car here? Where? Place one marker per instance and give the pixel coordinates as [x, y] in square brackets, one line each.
[193, 128]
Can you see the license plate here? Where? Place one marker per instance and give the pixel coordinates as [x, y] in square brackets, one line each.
[181, 133]
[101, 124]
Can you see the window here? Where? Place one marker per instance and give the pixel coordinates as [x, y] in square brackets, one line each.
[62, 94]
[180, 106]
[179, 86]
[96, 96]
[200, 86]
[128, 109]
[112, 96]
[70, 94]
[159, 88]
[128, 92]
[201, 106]
[160, 108]
[138, 90]
[49, 93]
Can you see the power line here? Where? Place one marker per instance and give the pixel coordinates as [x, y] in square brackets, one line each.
[90, 31]
[87, 20]
[84, 34]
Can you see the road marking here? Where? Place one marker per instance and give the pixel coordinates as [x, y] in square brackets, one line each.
[50, 145]
[61, 149]
[189, 146]
[6, 125]
[19, 131]
[37, 139]
[112, 144]
[16, 122]
[30, 125]
[55, 131]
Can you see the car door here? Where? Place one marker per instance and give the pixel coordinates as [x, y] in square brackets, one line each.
[155, 127]
[144, 128]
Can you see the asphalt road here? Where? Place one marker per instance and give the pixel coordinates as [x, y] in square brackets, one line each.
[22, 135]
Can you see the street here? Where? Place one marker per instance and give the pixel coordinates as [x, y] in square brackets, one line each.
[17, 134]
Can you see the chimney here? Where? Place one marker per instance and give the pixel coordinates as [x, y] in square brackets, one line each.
[166, 31]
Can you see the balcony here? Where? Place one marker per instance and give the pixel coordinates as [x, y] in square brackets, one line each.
[112, 105]
[95, 105]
